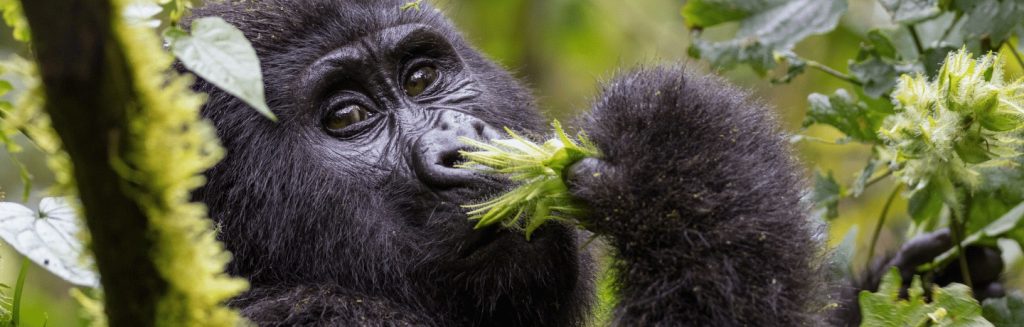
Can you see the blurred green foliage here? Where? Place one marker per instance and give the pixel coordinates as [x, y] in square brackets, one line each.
[563, 49]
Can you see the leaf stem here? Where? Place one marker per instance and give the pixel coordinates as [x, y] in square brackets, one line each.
[878, 178]
[833, 72]
[881, 221]
[18, 288]
[1013, 49]
[917, 39]
[952, 24]
[959, 220]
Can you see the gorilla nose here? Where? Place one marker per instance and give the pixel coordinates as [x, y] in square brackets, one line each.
[437, 151]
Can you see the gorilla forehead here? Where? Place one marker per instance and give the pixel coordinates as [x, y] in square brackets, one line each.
[305, 30]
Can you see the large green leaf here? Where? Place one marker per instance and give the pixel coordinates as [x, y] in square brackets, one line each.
[952, 305]
[219, 53]
[6, 306]
[826, 194]
[48, 238]
[992, 19]
[1005, 311]
[1009, 225]
[766, 27]
[878, 75]
[925, 204]
[699, 14]
[911, 11]
[854, 118]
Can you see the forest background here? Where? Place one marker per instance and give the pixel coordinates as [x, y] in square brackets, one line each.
[563, 49]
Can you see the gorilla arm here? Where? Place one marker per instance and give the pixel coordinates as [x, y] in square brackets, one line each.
[699, 196]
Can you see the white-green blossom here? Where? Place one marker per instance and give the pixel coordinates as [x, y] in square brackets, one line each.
[540, 168]
[947, 128]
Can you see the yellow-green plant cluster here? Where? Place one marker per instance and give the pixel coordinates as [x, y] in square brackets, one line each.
[540, 171]
[169, 147]
[948, 127]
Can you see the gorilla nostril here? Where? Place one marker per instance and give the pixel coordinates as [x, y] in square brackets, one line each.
[452, 158]
[479, 127]
[445, 126]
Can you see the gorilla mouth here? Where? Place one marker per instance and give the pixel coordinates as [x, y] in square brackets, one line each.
[480, 239]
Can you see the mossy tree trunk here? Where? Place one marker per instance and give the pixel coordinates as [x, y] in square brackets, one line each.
[88, 90]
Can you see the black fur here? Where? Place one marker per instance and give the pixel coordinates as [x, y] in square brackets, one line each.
[697, 193]
[700, 198]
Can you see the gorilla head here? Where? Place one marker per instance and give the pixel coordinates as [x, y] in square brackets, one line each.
[352, 195]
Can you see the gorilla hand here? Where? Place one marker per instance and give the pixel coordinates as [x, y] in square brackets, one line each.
[984, 264]
[700, 199]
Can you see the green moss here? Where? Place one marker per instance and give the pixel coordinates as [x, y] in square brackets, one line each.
[14, 18]
[168, 149]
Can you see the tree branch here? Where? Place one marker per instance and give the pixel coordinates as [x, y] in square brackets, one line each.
[89, 88]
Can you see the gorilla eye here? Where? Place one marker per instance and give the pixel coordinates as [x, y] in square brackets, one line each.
[346, 116]
[419, 80]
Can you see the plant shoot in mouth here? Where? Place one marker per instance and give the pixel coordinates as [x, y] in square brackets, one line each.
[539, 169]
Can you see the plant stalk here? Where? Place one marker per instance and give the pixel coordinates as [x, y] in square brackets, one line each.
[881, 221]
[18, 288]
[917, 39]
[833, 72]
[959, 218]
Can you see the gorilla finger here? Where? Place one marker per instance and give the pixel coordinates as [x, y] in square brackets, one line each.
[990, 291]
[922, 249]
[583, 172]
[985, 263]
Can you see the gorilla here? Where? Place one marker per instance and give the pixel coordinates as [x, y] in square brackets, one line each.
[347, 211]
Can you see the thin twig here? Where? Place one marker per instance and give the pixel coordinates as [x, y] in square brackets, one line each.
[833, 72]
[917, 39]
[950, 27]
[959, 219]
[881, 222]
[877, 179]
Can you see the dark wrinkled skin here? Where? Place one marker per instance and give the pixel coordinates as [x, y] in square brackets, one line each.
[697, 194]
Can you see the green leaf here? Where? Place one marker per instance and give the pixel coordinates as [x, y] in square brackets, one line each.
[48, 238]
[878, 75]
[840, 110]
[971, 149]
[411, 5]
[952, 305]
[142, 13]
[1009, 221]
[826, 194]
[862, 179]
[1005, 311]
[775, 27]
[911, 11]
[878, 66]
[843, 254]
[881, 44]
[699, 14]
[219, 53]
[924, 205]
[1008, 225]
[992, 19]
[985, 209]
[6, 308]
[796, 66]
[15, 18]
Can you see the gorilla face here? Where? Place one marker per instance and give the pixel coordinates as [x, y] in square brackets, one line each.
[356, 185]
